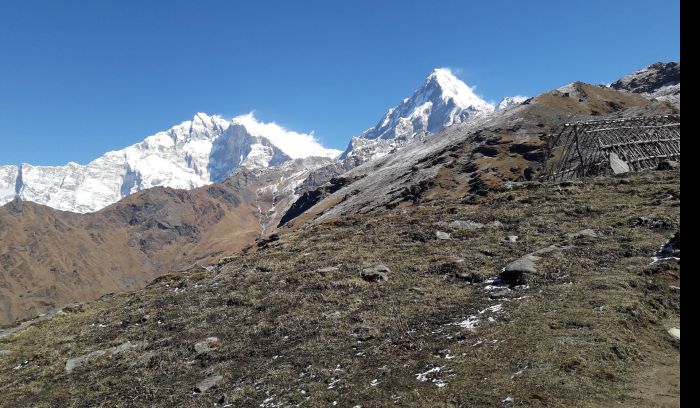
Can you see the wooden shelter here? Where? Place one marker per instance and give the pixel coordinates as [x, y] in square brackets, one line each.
[615, 146]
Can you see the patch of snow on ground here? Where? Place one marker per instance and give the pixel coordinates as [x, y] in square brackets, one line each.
[470, 323]
[431, 375]
[494, 309]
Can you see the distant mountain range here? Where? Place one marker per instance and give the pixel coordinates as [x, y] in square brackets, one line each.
[192, 154]
[207, 149]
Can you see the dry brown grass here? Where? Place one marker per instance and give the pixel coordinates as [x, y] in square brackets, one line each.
[582, 334]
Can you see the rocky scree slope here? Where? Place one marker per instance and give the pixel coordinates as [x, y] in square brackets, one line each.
[307, 319]
[660, 81]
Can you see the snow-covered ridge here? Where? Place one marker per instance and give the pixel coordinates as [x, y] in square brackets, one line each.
[194, 153]
[509, 101]
[443, 100]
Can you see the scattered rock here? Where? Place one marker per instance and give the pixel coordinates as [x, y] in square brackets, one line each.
[375, 274]
[206, 345]
[675, 333]
[516, 272]
[465, 225]
[74, 363]
[208, 383]
[5, 352]
[442, 235]
[495, 224]
[327, 270]
[510, 239]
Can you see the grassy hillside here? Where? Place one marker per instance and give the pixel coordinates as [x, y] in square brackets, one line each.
[295, 321]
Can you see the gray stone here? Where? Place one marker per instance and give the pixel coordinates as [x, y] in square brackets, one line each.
[375, 274]
[206, 345]
[675, 333]
[209, 383]
[5, 352]
[510, 239]
[583, 233]
[125, 347]
[465, 225]
[327, 270]
[442, 235]
[76, 362]
[516, 272]
[618, 165]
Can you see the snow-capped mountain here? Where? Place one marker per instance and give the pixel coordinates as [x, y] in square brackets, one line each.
[8, 181]
[509, 101]
[441, 101]
[194, 153]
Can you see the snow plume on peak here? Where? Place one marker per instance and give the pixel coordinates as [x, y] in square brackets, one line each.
[194, 153]
[293, 144]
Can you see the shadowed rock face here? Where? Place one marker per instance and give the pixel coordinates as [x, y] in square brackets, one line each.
[651, 78]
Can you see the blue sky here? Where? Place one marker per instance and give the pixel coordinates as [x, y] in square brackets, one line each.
[79, 78]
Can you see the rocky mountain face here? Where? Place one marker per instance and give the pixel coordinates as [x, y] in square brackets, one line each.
[467, 160]
[192, 154]
[660, 81]
[443, 100]
[49, 258]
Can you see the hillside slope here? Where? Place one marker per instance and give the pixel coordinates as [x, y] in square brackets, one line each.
[487, 154]
[310, 319]
[49, 258]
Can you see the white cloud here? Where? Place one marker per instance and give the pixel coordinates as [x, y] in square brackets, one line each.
[295, 145]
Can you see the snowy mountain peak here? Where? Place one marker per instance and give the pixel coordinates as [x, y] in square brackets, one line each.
[452, 88]
[509, 101]
[443, 100]
[200, 151]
